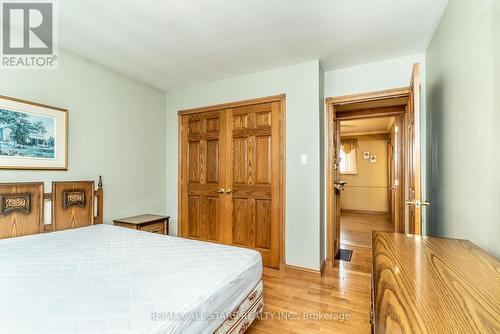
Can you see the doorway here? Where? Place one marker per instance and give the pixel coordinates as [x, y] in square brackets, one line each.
[367, 164]
[404, 202]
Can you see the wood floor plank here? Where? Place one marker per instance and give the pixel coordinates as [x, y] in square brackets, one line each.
[343, 290]
[356, 228]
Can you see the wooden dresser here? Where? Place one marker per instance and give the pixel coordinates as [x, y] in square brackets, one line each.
[148, 222]
[433, 285]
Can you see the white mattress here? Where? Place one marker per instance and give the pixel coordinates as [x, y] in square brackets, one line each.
[108, 279]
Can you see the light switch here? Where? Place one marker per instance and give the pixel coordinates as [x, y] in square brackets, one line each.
[303, 159]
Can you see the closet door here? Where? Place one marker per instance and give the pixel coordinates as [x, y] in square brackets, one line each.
[254, 189]
[203, 167]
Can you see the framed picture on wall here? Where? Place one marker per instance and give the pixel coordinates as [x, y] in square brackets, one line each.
[32, 135]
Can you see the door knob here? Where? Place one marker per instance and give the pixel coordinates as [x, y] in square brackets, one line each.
[417, 203]
[339, 185]
[220, 191]
[228, 191]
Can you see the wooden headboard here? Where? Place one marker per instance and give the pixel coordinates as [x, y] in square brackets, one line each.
[74, 204]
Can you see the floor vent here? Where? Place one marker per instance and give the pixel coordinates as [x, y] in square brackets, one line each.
[344, 255]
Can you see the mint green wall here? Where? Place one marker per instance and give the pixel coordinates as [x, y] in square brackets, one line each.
[116, 129]
[300, 83]
[463, 71]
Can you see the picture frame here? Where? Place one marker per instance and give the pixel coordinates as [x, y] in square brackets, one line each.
[373, 158]
[366, 155]
[33, 136]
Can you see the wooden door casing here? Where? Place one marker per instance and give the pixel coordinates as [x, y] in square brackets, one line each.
[333, 196]
[204, 175]
[391, 99]
[255, 179]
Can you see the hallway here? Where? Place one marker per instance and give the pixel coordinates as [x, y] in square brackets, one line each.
[356, 228]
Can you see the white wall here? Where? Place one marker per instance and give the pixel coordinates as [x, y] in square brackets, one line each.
[300, 83]
[116, 129]
[393, 73]
[463, 71]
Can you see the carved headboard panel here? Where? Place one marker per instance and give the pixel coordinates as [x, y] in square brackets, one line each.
[72, 204]
[21, 209]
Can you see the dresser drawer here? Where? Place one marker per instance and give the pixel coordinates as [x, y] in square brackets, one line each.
[154, 228]
[147, 222]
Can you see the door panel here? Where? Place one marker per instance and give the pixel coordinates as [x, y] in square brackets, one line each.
[212, 216]
[263, 223]
[205, 169]
[194, 216]
[194, 162]
[212, 162]
[240, 160]
[255, 186]
[241, 226]
[263, 166]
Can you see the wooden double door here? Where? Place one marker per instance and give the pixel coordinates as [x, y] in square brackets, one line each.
[230, 177]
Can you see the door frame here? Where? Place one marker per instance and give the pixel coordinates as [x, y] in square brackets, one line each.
[281, 98]
[333, 127]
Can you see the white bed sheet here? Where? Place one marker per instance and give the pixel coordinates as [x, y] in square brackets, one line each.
[108, 279]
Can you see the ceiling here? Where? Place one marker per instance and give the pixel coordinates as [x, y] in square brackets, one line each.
[366, 126]
[171, 44]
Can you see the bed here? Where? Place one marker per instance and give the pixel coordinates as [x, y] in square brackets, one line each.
[77, 277]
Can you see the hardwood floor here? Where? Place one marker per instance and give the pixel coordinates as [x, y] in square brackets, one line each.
[342, 293]
[356, 228]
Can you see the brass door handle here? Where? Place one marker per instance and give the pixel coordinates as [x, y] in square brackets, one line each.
[220, 191]
[228, 191]
[339, 185]
[417, 203]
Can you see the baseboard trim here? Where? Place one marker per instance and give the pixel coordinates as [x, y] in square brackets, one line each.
[289, 267]
[365, 212]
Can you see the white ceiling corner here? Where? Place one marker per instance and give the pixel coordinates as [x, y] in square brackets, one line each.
[176, 43]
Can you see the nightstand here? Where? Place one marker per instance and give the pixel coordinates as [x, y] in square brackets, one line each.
[150, 223]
